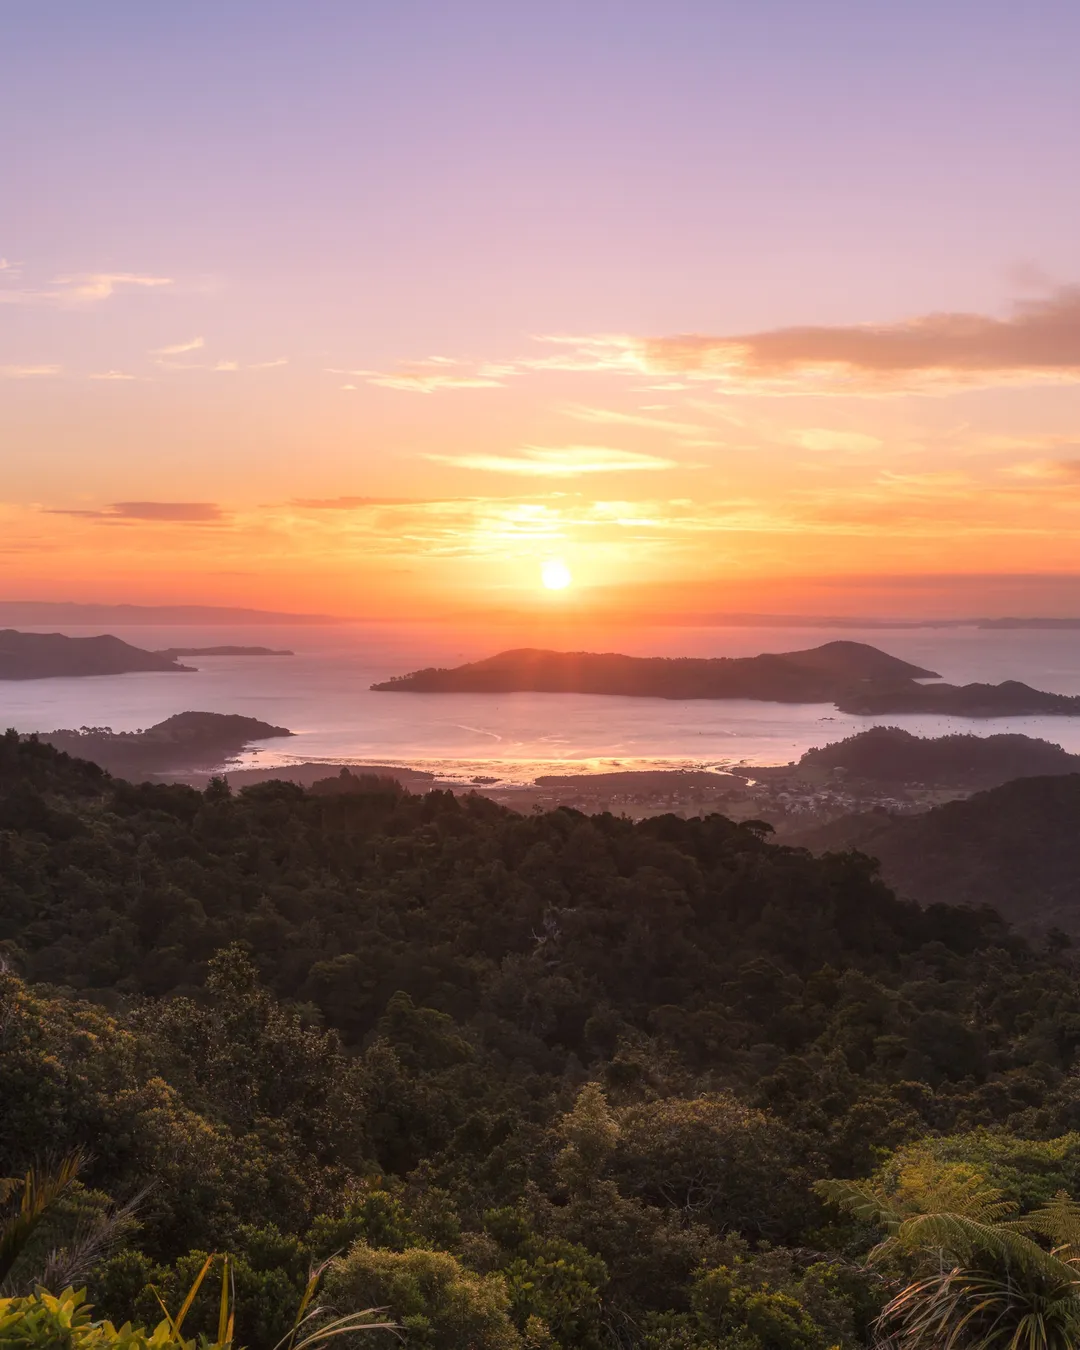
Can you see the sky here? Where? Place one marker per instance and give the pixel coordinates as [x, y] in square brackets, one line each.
[376, 309]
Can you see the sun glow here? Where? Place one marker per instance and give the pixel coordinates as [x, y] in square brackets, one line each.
[555, 575]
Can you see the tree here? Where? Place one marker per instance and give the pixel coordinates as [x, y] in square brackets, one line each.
[438, 1303]
[714, 1159]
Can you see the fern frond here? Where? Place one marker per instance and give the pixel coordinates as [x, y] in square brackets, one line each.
[966, 1240]
[1058, 1220]
[860, 1202]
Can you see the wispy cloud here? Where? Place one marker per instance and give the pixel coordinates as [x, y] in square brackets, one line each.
[1050, 470]
[611, 417]
[27, 372]
[568, 461]
[1037, 341]
[163, 357]
[147, 511]
[823, 438]
[112, 375]
[76, 288]
[178, 348]
[347, 503]
[434, 374]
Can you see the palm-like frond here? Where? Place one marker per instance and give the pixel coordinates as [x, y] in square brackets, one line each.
[310, 1324]
[69, 1265]
[315, 1331]
[40, 1189]
[983, 1310]
[995, 1286]
[339, 1326]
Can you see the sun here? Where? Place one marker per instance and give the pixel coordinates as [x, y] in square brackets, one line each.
[555, 574]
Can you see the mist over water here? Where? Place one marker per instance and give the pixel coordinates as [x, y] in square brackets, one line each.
[322, 693]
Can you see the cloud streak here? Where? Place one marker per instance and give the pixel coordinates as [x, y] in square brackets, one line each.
[79, 288]
[434, 374]
[568, 461]
[1039, 339]
[27, 372]
[178, 348]
[169, 512]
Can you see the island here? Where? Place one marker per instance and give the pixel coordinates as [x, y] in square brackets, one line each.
[41, 656]
[174, 652]
[187, 741]
[818, 675]
[854, 676]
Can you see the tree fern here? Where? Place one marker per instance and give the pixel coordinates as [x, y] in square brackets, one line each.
[989, 1283]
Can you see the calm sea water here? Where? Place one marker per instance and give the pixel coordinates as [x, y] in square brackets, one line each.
[323, 694]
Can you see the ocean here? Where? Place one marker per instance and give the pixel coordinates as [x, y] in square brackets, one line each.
[322, 693]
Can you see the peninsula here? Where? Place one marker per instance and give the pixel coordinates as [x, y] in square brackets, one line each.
[187, 741]
[40, 656]
[854, 676]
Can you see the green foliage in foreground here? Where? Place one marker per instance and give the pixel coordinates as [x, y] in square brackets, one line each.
[45, 1321]
[968, 1269]
[551, 1082]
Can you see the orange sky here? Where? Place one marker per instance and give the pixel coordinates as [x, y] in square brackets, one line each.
[720, 326]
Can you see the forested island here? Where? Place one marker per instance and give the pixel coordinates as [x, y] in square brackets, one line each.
[39, 656]
[818, 675]
[525, 1081]
[853, 676]
[184, 742]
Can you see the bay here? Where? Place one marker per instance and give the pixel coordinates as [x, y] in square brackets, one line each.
[322, 693]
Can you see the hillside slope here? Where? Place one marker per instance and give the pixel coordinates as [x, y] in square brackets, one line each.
[1015, 847]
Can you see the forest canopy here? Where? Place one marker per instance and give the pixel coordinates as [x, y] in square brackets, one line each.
[547, 1080]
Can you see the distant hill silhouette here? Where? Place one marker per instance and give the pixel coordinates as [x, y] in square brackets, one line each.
[892, 755]
[1011, 698]
[38, 656]
[1015, 847]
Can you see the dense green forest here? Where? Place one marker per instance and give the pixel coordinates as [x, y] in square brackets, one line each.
[526, 1081]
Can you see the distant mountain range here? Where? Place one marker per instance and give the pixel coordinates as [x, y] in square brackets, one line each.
[37, 612]
[69, 612]
[854, 676]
